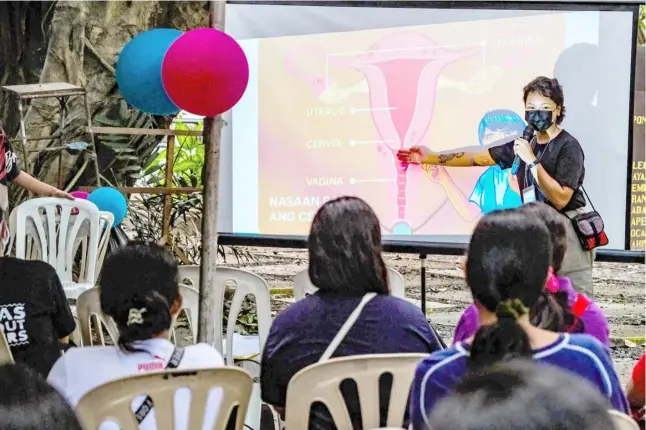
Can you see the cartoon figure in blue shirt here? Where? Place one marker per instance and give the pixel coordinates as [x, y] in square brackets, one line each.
[496, 188]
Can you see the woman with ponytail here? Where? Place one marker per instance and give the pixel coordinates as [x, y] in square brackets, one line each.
[507, 267]
[559, 308]
[140, 291]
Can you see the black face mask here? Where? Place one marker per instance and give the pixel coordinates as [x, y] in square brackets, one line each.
[541, 120]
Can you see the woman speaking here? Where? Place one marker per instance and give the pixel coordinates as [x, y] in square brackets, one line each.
[550, 168]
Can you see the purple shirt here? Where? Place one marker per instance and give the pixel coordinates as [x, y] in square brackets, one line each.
[580, 354]
[594, 320]
[301, 333]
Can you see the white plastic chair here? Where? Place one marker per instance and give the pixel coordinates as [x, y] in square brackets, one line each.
[246, 283]
[89, 313]
[321, 382]
[57, 232]
[33, 244]
[303, 286]
[191, 307]
[106, 220]
[190, 273]
[112, 402]
[6, 357]
[622, 421]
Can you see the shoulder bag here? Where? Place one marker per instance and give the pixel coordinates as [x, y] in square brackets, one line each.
[588, 226]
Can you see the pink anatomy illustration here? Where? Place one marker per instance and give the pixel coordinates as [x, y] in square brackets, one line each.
[402, 71]
[402, 84]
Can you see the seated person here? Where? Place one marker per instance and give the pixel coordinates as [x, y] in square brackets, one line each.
[345, 264]
[506, 269]
[27, 402]
[34, 313]
[636, 393]
[522, 395]
[140, 291]
[560, 308]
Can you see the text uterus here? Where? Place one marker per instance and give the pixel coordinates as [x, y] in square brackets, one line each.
[402, 71]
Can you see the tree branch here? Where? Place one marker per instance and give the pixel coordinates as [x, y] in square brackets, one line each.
[98, 56]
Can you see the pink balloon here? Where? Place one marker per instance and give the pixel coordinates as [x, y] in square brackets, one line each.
[205, 72]
[80, 195]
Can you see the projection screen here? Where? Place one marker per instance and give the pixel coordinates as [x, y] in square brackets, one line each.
[336, 91]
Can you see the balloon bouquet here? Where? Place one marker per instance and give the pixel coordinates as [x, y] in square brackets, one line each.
[162, 71]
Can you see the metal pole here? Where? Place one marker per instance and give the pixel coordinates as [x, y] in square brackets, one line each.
[422, 260]
[93, 152]
[211, 301]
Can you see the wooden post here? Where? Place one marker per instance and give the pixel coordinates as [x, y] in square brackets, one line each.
[168, 198]
[210, 309]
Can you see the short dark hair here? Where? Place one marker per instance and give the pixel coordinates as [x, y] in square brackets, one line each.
[549, 88]
[522, 395]
[137, 276]
[27, 402]
[345, 249]
[508, 258]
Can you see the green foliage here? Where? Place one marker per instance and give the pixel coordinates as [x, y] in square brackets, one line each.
[188, 160]
[641, 31]
[131, 153]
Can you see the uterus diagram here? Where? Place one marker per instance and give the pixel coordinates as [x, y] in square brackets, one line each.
[401, 74]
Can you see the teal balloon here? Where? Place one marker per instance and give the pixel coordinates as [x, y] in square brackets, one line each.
[139, 71]
[110, 200]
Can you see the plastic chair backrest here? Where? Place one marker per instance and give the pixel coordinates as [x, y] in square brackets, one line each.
[6, 357]
[190, 273]
[320, 382]
[191, 306]
[246, 283]
[303, 286]
[57, 232]
[113, 401]
[32, 249]
[106, 220]
[622, 421]
[89, 313]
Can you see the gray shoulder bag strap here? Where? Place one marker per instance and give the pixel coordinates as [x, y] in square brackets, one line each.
[345, 328]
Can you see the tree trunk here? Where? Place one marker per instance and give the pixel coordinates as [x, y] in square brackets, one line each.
[79, 42]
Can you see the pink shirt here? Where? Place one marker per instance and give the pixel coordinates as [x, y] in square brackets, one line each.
[594, 320]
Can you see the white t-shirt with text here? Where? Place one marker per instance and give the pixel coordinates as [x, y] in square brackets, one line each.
[82, 369]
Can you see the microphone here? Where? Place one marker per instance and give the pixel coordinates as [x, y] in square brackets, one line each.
[528, 133]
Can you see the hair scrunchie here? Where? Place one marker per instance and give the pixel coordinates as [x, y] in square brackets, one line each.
[511, 308]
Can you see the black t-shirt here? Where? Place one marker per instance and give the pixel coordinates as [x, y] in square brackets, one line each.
[562, 158]
[9, 169]
[34, 312]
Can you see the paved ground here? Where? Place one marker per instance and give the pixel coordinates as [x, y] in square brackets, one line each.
[619, 289]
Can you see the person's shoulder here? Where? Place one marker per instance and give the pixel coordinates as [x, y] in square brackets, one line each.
[579, 342]
[398, 308]
[298, 311]
[396, 303]
[28, 273]
[207, 355]
[451, 360]
[567, 140]
[30, 267]
[89, 356]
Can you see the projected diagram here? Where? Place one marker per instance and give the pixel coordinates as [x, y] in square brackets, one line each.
[333, 109]
[401, 72]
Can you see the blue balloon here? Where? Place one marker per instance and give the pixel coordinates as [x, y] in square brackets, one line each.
[110, 200]
[139, 71]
